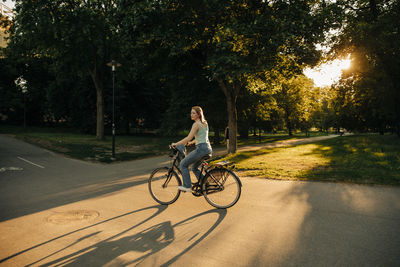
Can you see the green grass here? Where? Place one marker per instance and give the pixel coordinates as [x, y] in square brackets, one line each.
[370, 159]
[268, 138]
[87, 147]
[358, 159]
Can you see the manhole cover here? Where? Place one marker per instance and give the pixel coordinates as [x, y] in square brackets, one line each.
[72, 216]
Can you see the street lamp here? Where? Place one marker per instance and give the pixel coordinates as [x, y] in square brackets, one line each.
[113, 64]
[21, 83]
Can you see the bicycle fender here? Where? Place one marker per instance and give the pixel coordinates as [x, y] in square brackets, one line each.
[155, 170]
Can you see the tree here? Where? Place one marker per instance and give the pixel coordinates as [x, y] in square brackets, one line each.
[323, 114]
[77, 35]
[311, 101]
[233, 40]
[255, 105]
[293, 96]
[371, 85]
[189, 86]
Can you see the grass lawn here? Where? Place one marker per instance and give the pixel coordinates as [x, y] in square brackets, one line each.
[358, 159]
[87, 147]
[127, 147]
[371, 159]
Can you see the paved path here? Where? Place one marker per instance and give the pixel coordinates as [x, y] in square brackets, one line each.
[56, 211]
[282, 143]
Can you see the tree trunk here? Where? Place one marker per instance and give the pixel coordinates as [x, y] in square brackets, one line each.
[288, 124]
[374, 9]
[100, 114]
[127, 127]
[232, 124]
[231, 91]
[217, 137]
[99, 104]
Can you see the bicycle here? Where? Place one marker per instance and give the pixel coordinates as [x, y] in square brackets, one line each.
[218, 183]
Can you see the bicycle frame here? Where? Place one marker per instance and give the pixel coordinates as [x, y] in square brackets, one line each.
[204, 172]
[172, 169]
[212, 180]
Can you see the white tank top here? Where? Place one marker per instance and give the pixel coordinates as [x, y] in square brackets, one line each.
[202, 134]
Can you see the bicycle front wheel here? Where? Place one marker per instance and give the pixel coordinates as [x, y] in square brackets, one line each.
[163, 185]
[221, 188]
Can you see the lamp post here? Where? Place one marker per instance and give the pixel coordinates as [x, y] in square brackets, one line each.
[113, 64]
[21, 83]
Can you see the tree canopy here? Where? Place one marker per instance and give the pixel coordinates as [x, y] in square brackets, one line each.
[242, 61]
[370, 90]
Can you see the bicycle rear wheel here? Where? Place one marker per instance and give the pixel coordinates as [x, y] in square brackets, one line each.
[163, 185]
[221, 188]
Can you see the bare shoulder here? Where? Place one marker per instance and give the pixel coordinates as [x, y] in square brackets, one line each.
[205, 124]
[201, 125]
[196, 126]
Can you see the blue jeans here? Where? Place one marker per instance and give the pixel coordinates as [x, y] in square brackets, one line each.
[194, 158]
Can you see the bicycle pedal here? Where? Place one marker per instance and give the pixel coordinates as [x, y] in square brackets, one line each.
[196, 190]
[196, 194]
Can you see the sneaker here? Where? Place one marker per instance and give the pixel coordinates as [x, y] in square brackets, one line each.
[184, 189]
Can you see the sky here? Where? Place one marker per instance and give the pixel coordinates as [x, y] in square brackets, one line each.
[8, 3]
[328, 73]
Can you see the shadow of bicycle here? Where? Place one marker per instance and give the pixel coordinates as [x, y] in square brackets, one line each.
[117, 252]
[125, 248]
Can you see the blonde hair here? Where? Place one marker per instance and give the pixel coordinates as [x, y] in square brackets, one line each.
[199, 111]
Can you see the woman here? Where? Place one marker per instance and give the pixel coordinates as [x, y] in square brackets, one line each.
[199, 132]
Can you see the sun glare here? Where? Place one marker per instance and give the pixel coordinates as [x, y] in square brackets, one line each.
[328, 73]
[345, 63]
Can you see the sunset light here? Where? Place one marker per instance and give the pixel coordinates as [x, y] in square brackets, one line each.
[328, 73]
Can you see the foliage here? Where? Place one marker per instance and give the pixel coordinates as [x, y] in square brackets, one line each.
[255, 105]
[240, 60]
[234, 40]
[293, 96]
[370, 93]
[78, 36]
[323, 114]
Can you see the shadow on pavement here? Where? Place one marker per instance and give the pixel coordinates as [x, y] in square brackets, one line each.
[19, 203]
[60, 180]
[159, 209]
[123, 249]
[332, 224]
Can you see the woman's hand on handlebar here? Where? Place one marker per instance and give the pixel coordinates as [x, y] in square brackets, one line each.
[191, 143]
[173, 145]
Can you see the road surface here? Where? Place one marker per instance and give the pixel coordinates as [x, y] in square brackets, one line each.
[56, 211]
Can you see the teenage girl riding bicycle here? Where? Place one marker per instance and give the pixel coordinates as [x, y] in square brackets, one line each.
[199, 132]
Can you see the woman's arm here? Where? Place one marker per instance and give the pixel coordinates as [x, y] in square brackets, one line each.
[184, 141]
[191, 143]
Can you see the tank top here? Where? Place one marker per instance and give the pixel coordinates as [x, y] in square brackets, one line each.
[202, 134]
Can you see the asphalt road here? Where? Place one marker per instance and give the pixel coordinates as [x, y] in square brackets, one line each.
[56, 211]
